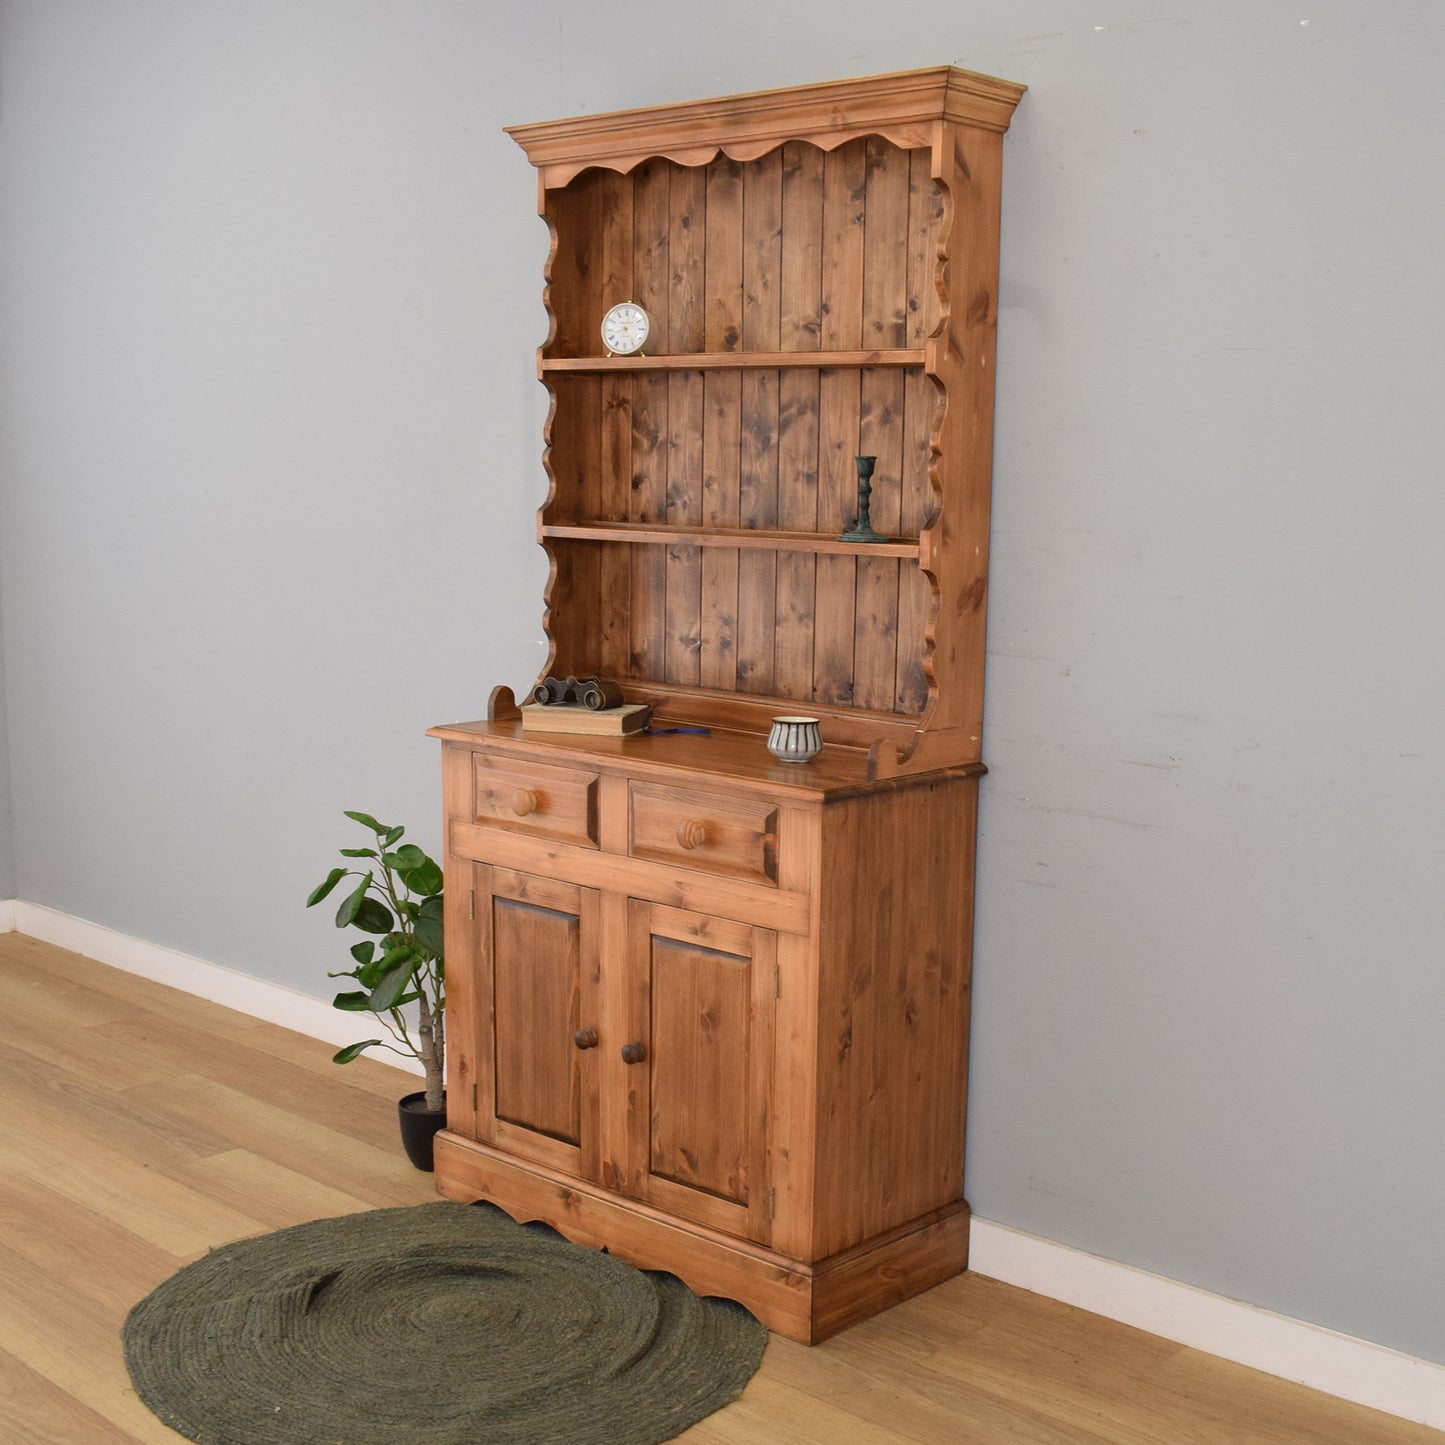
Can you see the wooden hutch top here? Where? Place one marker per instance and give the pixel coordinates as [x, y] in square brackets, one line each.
[821, 264]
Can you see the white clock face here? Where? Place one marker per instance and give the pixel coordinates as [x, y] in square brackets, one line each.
[626, 328]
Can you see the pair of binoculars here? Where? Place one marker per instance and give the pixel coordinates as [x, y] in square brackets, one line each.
[594, 693]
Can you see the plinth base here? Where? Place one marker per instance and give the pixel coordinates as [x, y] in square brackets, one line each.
[805, 1302]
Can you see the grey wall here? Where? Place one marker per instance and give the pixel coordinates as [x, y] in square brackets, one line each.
[7, 822]
[270, 455]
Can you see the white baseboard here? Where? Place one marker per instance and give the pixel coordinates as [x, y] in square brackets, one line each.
[1350, 1369]
[273, 1002]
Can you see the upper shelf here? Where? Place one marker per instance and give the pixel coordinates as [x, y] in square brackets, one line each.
[904, 108]
[735, 360]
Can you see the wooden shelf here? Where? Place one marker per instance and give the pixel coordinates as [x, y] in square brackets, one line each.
[735, 360]
[756, 539]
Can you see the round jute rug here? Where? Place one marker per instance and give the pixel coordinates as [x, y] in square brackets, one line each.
[435, 1324]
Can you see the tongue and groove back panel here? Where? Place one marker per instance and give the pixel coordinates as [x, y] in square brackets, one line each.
[800, 251]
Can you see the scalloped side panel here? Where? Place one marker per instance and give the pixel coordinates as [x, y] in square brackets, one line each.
[550, 586]
[553, 244]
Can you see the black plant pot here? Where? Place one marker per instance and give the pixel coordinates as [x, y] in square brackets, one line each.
[419, 1126]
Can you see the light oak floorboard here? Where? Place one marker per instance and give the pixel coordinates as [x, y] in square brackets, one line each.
[37, 1412]
[141, 1127]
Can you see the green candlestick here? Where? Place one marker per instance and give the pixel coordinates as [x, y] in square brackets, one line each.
[863, 529]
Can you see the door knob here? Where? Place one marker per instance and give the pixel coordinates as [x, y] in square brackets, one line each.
[633, 1053]
[524, 801]
[691, 833]
[585, 1038]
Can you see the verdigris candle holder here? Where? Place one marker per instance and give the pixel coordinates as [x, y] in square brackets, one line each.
[863, 528]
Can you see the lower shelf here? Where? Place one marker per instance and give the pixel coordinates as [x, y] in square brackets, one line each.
[742, 539]
[805, 1302]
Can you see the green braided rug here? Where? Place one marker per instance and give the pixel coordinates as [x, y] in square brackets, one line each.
[440, 1323]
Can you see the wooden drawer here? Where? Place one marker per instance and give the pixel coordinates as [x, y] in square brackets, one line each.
[536, 798]
[737, 836]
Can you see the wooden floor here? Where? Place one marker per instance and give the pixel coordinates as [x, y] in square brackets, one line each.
[141, 1127]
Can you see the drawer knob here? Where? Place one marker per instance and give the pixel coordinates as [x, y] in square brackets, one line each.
[691, 833]
[633, 1053]
[585, 1038]
[524, 801]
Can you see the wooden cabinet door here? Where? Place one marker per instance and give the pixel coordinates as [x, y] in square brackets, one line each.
[536, 1073]
[702, 993]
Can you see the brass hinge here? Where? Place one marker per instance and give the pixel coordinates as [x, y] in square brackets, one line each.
[471, 903]
[772, 1202]
[474, 1098]
[777, 981]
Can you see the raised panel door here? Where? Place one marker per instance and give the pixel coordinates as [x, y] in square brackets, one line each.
[538, 945]
[703, 992]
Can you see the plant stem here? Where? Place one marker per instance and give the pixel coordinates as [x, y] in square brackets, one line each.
[389, 1048]
[428, 1026]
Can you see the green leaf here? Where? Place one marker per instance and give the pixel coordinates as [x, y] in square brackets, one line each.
[352, 1051]
[369, 973]
[358, 852]
[351, 904]
[367, 821]
[407, 856]
[352, 1002]
[429, 931]
[363, 951]
[393, 954]
[390, 840]
[322, 889]
[373, 917]
[406, 999]
[426, 878]
[393, 985]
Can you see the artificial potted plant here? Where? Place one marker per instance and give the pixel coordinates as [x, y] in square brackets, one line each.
[398, 900]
